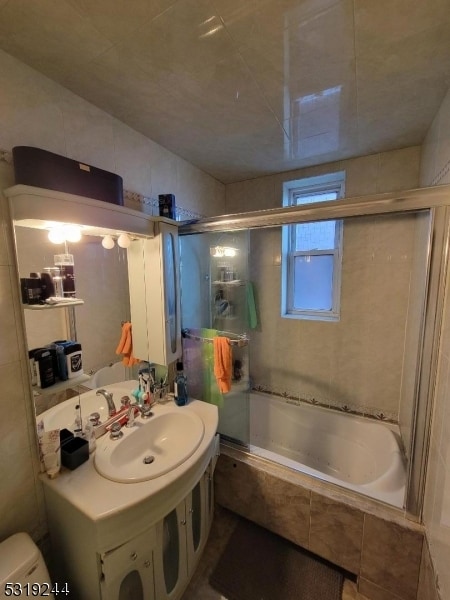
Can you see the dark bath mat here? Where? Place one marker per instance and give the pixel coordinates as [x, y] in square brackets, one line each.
[259, 565]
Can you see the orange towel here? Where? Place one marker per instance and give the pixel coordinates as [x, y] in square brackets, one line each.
[222, 363]
[125, 346]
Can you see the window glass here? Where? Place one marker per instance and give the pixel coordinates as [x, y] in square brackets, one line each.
[311, 258]
[313, 282]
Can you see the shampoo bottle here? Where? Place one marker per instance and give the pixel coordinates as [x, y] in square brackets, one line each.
[180, 387]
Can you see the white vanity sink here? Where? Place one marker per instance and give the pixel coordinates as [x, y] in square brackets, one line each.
[116, 508]
[152, 447]
[63, 415]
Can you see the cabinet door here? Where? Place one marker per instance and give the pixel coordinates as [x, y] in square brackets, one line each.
[127, 571]
[170, 557]
[153, 274]
[209, 497]
[196, 511]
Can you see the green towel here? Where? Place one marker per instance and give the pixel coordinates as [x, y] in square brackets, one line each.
[251, 306]
[211, 392]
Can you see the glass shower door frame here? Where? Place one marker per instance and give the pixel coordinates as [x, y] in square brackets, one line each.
[436, 200]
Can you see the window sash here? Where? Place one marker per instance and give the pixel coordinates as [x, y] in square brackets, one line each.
[302, 192]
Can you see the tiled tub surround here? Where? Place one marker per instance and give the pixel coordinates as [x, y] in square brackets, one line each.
[377, 543]
[360, 454]
[345, 363]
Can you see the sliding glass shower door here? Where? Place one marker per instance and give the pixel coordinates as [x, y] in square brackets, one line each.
[217, 300]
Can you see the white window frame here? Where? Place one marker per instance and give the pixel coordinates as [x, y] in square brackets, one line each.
[292, 190]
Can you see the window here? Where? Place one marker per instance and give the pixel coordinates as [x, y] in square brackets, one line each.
[312, 252]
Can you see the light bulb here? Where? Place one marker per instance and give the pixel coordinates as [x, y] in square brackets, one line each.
[217, 252]
[229, 251]
[72, 233]
[57, 235]
[108, 242]
[124, 240]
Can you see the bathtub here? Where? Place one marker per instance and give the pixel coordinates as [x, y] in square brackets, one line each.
[359, 454]
[114, 373]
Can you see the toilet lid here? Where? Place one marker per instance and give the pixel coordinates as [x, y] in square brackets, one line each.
[18, 554]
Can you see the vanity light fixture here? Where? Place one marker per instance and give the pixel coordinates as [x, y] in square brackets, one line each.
[108, 242]
[64, 233]
[72, 233]
[124, 240]
[221, 251]
[56, 235]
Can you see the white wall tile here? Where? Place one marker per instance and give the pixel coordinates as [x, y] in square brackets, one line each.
[435, 171]
[37, 112]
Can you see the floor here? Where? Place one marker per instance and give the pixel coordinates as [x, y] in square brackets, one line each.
[222, 527]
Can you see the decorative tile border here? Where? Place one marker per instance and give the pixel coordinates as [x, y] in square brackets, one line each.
[442, 173]
[299, 399]
[150, 206]
[145, 204]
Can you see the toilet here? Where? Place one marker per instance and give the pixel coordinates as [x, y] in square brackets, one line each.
[22, 563]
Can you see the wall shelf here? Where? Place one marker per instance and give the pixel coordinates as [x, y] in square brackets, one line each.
[39, 208]
[61, 385]
[51, 306]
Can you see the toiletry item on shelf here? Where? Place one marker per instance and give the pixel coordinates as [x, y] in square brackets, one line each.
[180, 386]
[44, 367]
[74, 359]
[66, 266]
[50, 449]
[33, 366]
[31, 289]
[167, 206]
[61, 363]
[55, 285]
[47, 285]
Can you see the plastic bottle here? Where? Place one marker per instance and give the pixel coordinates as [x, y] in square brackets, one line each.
[89, 435]
[180, 387]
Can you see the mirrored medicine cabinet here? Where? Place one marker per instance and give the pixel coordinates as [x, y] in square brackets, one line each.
[113, 285]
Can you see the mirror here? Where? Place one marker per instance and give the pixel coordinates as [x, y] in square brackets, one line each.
[101, 281]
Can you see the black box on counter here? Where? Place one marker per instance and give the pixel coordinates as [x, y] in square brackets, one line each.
[74, 450]
[40, 168]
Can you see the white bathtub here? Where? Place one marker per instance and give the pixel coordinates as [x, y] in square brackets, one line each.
[114, 373]
[356, 453]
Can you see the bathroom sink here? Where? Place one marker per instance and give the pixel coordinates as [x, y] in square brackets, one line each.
[152, 447]
[63, 415]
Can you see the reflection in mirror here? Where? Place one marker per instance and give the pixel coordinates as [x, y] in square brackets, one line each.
[101, 281]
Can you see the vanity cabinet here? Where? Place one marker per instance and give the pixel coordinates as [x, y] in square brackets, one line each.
[127, 571]
[153, 273]
[181, 537]
[158, 564]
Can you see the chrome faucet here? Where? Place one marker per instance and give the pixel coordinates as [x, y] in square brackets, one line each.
[145, 411]
[109, 401]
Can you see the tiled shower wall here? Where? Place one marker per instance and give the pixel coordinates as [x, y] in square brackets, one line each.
[346, 364]
[338, 363]
[37, 112]
[436, 171]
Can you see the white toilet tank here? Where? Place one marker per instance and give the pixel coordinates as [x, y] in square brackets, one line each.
[22, 563]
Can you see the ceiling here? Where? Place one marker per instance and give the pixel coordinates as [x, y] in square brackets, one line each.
[245, 88]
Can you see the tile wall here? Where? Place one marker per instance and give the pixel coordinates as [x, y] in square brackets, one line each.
[37, 112]
[374, 542]
[435, 170]
[338, 364]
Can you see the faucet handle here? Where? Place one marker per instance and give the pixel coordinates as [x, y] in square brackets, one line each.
[146, 411]
[125, 401]
[116, 431]
[94, 419]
